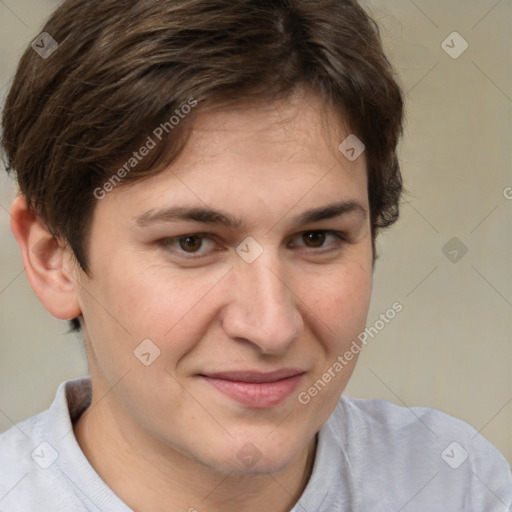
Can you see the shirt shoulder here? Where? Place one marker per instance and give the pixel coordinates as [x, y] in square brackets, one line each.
[29, 477]
[42, 467]
[415, 449]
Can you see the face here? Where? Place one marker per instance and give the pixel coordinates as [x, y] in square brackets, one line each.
[246, 267]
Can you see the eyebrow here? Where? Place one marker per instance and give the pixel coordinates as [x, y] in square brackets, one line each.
[207, 215]
[331, 211]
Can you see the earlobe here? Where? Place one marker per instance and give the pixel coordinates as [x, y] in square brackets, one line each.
[47, 262]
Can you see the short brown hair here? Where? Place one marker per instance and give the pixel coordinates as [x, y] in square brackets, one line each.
[124, 67]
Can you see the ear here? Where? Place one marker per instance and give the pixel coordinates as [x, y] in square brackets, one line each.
[48, 262]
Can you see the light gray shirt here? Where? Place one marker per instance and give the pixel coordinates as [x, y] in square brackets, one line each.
[372, 456]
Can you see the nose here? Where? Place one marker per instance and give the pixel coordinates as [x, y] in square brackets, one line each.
[262, 309]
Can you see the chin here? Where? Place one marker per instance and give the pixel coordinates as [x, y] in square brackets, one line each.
[254, 459]
[262, 467]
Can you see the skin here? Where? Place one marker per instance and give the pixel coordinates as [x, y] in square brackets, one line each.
[160, 435]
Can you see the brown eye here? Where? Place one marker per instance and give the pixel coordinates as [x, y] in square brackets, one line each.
[191, 243]
[191, 246]
[319, 239]
[314, 238]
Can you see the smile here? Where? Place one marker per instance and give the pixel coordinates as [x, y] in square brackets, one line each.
[255, 389]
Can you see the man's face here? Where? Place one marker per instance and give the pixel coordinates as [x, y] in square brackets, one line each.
[248, 265]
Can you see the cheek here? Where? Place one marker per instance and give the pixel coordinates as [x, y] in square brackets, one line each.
[341, 302]
[337, 318]
[156, 303]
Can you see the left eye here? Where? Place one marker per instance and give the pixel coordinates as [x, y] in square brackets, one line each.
[317, 239]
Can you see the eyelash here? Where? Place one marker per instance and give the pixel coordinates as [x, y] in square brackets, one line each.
[168, 243]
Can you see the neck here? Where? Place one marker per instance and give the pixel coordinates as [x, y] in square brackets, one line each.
[148, 475]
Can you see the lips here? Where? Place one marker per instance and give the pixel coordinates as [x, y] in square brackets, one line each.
[254, 388]
[256, 376]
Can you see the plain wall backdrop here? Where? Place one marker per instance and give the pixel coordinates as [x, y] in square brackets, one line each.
[447, 261]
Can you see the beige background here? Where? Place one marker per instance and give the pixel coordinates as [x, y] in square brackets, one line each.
[450, 347]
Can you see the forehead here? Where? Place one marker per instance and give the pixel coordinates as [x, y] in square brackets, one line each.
[297, 127]
[255, 156]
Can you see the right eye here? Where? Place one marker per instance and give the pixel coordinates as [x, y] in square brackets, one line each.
[193, 245]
